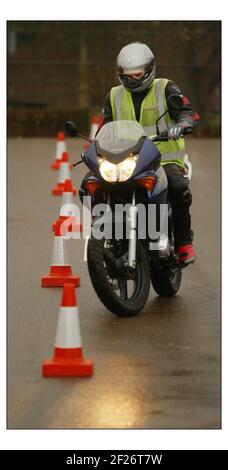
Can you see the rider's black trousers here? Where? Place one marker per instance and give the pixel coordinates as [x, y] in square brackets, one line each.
[180, 197]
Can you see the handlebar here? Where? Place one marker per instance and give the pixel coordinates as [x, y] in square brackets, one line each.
[160, 138]
[164, 137]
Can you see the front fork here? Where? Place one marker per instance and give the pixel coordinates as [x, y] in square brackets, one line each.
[132, 219]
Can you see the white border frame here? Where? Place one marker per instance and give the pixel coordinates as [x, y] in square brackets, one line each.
[107, 439]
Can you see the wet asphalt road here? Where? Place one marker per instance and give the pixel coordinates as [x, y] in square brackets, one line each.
[160, 369]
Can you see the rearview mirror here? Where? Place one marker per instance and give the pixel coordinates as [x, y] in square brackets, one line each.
[71, 128]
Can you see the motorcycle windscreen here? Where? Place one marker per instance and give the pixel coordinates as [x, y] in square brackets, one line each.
[119, 136]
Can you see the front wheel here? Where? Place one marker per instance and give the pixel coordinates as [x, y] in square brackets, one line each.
[123, 293]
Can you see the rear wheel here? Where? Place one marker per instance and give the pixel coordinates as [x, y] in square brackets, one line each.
[166, 281]
[123, 292]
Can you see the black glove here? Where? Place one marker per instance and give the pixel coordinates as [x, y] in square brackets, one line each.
[176, 131]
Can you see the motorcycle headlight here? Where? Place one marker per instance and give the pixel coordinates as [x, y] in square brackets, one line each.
[126, 168]
[108, 171]
[120, 172]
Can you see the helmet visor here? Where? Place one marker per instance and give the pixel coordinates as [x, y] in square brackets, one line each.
[132, 79]
[136, 73]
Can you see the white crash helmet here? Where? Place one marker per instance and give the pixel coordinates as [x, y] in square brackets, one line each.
[132, 58]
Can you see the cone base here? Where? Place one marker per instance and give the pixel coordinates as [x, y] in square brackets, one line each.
[72, 228]
[59, 280]
[67, 368]
[55, 165]
[58, 191]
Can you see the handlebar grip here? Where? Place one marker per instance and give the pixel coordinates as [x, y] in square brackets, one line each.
[163, 136]
[160, 139]
[187, 130]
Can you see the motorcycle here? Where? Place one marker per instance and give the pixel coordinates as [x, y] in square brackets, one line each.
[125, 168]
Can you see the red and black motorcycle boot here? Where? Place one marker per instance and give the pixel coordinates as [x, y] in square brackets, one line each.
[186, 253]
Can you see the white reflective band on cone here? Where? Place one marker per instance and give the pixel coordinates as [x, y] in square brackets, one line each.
[68, 210]
[64, 172]
[59, 254]
[68, 333]
[93, 131]
[60, 148]
[67, 198]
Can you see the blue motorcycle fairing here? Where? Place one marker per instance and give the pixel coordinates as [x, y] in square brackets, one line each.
[148, 155]
[90, 159]
[162, 182]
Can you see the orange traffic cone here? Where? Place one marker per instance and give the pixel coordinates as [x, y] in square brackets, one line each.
[60, 149]
[64, 174]
[66, 211]
[94, 126]
[60, 270]
[68, 360]
[64, 159]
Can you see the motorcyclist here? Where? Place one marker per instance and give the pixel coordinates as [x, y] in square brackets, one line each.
[143, 98]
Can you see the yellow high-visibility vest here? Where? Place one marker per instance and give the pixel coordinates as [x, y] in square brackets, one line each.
[153, 106]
